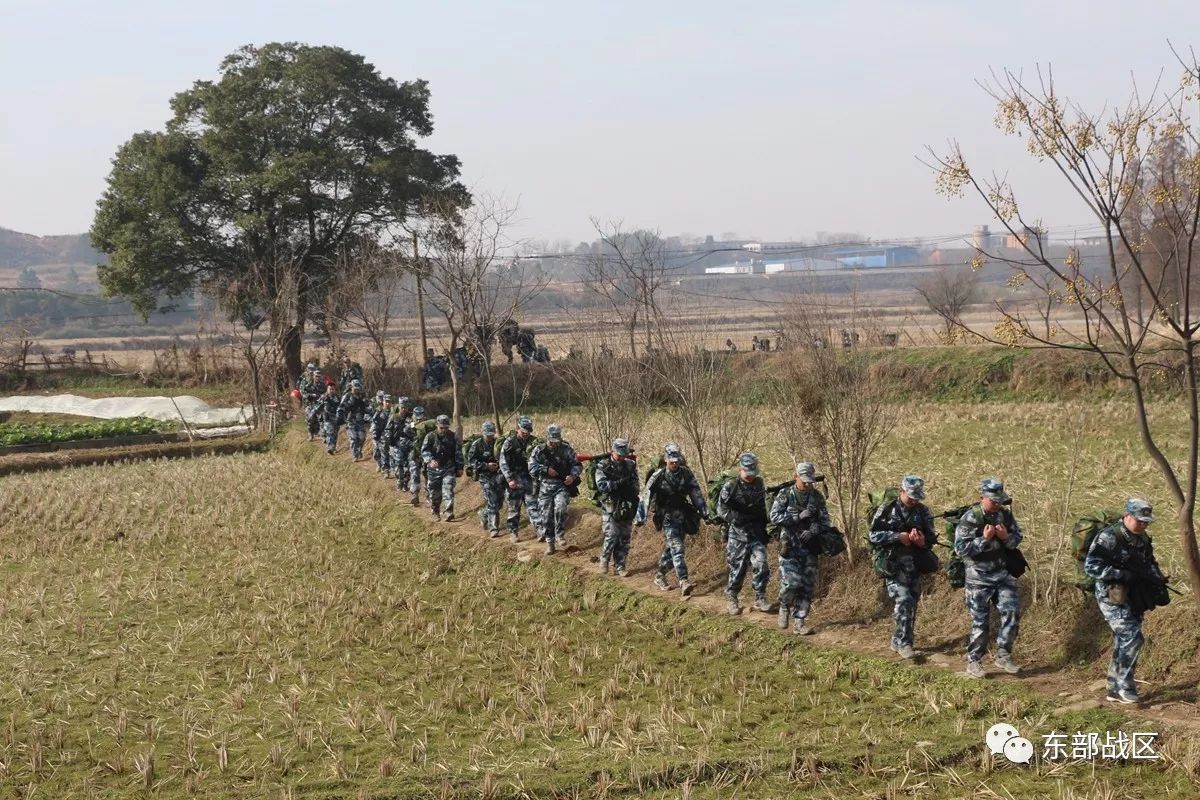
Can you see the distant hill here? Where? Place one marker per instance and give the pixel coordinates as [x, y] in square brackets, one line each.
[25, 250]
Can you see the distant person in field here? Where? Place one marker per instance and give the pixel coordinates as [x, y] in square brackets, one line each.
[442, 456]
[984, 535]
[1129, 582]
[355, 411]
[311, 386]
[676, 503]
[904, 528]
[379, 448]
[800, 512]
[327, 410]
[742, 504]
[553, 463]
[523, 487]
[483, 459]
[730, 347]
[618, 488]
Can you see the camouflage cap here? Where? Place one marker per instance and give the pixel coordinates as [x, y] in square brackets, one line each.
[387, 398]
[525, 424]
[621, 446]
[488, 428]
[419, 411]
[553, 433]
[403, 401]
[1140, 509]
[443, 421]
[380, 393]
[807, 472]
[749, 463]
[913, 486]
[310, 367]
[672, 452]
[993, 489]
[356, 384]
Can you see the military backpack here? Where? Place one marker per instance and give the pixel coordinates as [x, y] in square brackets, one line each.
[1082, 535]
[466, 453]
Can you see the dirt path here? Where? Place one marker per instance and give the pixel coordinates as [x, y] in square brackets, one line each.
[1073, 689]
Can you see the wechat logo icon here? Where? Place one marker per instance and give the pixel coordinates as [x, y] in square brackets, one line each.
[1004, 739]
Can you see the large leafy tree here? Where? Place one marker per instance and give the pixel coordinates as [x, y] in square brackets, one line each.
[294, 156]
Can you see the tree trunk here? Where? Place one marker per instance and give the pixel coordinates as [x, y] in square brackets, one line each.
[420, 301]
[290, 343]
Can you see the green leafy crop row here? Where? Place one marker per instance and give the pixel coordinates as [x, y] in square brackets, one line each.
[38, 433]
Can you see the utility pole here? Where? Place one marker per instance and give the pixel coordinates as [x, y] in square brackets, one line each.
[420, 297]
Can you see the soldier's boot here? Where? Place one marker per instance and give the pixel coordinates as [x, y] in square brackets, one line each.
[1004, 661]
[1125, 696]
[513, 532]
[785, 617]
[761, 604]
[802, 627]
[660, 580]
[732, 607]
[449, 516]
[604, 566]
[620, 571]
[906, 651]
[685, 589]
[561, 540]
[975, 670]
[549, 545]
[436, 508]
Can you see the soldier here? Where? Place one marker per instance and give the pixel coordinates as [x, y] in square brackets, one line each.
[416, 433]
[522, 486]
[484, 461]
[311, 388]
[557, 471]
[442, 457]
[674, 498]
[742, 505]
[618, 487]
[800, 512]
[351, 371]
[1129, 582]
[984, 535]
[355, 411]
[379, 448]
[327, 410]
[398, 439]
[905, 527]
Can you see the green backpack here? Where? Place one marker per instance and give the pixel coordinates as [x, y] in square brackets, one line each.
[1082, 535]
[716, 484]
[466, 453]
[956, 568]
[881, 557]
[589, 480]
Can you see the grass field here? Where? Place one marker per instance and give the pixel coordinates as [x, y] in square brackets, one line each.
[273, 625]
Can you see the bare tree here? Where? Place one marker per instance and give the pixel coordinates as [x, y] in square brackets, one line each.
[16, 342]
[826, 407]
[367, 295]
[471, 279]
[629, 271]
[1134, 169]
[614, 392]
[949, 292]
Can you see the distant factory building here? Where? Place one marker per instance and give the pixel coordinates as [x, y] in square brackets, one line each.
[875, 257]
[749, 268]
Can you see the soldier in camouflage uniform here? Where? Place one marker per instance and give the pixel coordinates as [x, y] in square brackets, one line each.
[351, 371]
[484, 462]
[379, 448]
[397, 437]
[674, 497]
[416, 431]
[355, 412]
[442, 456]
[328, 410]
[742, 505]
[800, 512]
[618, 487]
[522, 486]
[982, 537]
[905, 527]
[311, 388]
[1121, 561]
[557, 471]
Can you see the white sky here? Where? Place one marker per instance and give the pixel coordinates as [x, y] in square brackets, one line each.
[769, 119]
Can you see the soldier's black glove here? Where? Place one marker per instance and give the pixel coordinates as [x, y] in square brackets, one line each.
[806, 536]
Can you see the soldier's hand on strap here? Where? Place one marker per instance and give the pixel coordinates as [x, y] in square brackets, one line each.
[551, 472]
[989, 531]
[512, 484]
[567, 481]
[493, 467]
[1000, 532]
[433, 463]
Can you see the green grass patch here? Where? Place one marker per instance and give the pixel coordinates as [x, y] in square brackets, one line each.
[16, 433]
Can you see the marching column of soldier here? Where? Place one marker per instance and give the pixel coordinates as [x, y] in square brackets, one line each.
[519, 470]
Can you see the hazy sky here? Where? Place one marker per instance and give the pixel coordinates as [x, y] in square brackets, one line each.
[769, 119]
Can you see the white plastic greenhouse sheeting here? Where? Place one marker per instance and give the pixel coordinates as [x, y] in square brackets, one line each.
[194, 410]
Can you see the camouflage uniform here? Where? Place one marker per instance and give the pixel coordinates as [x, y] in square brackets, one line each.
[514, 465]
[328, 410]
[904, 584]
[355, 411]
[669, 494]
[415, 467]
[555, 495]
[379, 449]
[988, 580]
[310, 394]
[397, 437]
[800, 515]
[743, 505]
[1113, 553]
[442, 447]
[618, 484]
[348, 375]
[482, 454]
